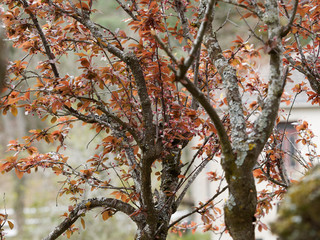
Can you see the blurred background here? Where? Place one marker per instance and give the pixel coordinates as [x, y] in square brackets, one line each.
[32, 202]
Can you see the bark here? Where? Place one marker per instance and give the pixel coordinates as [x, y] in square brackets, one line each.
[164, 205]
[237, 163]
[160, 234]
[239, 159]
[241, 205]
[3, 61]
[19, 204]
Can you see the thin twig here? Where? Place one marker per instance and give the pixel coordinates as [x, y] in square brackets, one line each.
[199, 208]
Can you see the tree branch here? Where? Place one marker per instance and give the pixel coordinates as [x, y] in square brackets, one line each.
[257, 11]
[45, 43]
[312, 77]
[198, 41]
[133, 62]
[265, 122]
[199, 208]
[230, 81]
[90, 204]
[127, 10]
[193, 177]
[180, 8]
[287, 28]
[109, 120]
[202, 99]
[273, 180]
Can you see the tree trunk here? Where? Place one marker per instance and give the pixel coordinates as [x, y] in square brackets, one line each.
[15, 127]
[3, 60]
[241, 205]
[144, 233]
[19, 205]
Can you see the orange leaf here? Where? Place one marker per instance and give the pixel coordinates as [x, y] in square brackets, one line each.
[32, 150]
[246, 15]
[84, 62]
[68, 233]
[83, 223]
[57, 170]
[257, 172]
[19, 173]
[83, 6]
[53, 120]
[135, 150]
[11, 225]
[64, 215]
[106, 215]
[14, 110]
[81, 54]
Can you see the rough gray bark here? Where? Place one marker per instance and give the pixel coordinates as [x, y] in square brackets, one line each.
[237, 163]
[241, 204]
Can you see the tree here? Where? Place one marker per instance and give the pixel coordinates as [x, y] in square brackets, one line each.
[149, 90]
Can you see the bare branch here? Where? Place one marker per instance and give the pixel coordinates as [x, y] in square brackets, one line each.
[197, 153]
[167, 50]
[200, 207]
[192, 177]
[109, 120]
[273, 180]
[257, 11]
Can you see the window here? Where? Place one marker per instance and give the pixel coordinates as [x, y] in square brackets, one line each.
[287, 143]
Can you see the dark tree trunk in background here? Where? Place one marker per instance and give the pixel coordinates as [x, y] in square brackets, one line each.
[3, 61]
[15, 128]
